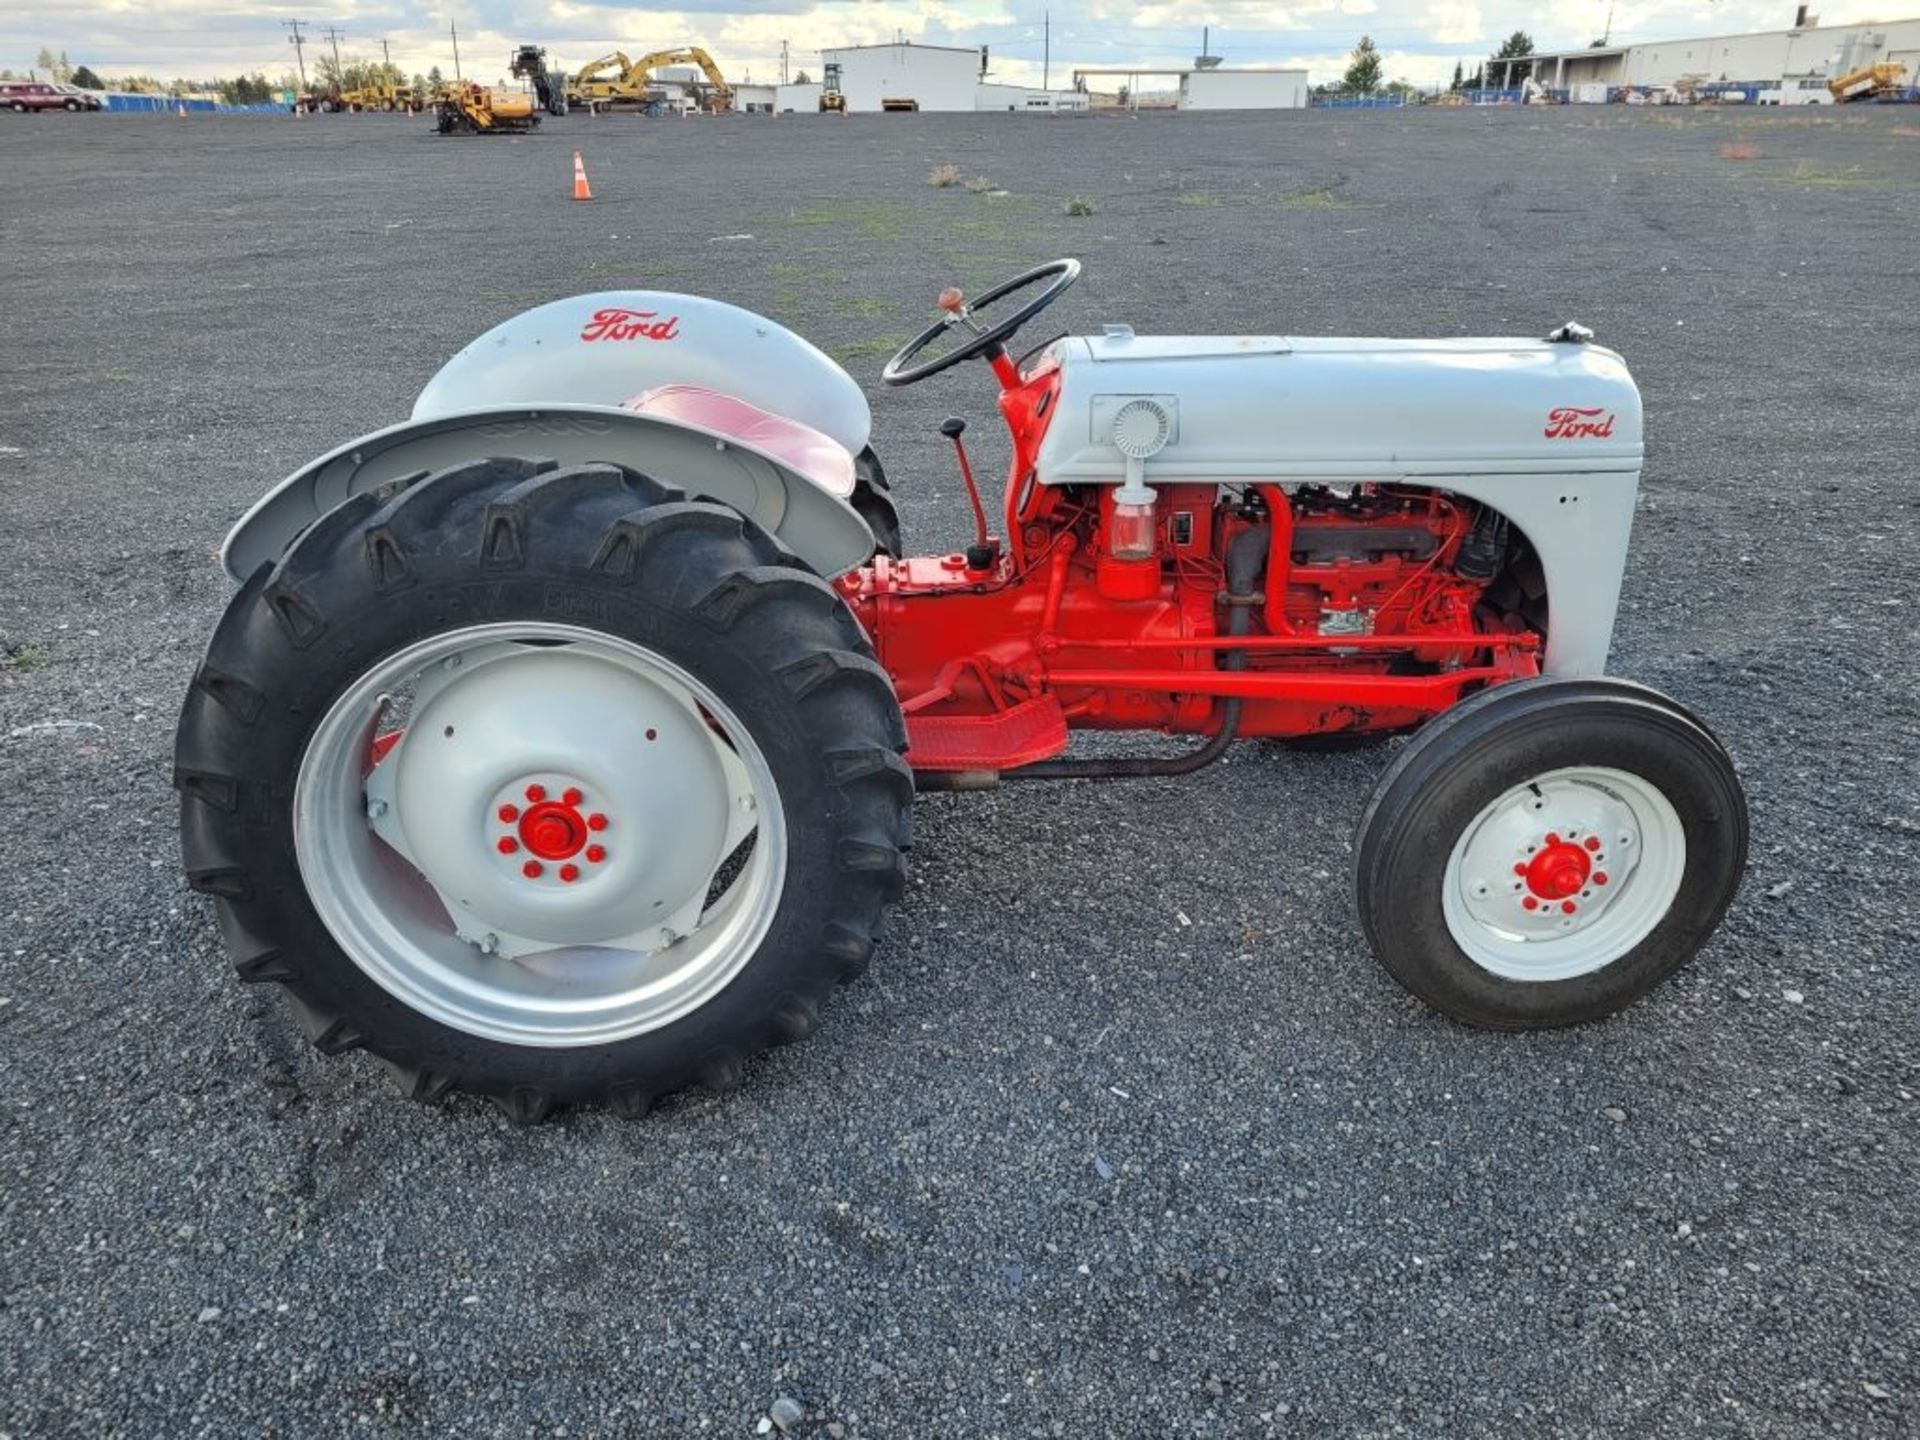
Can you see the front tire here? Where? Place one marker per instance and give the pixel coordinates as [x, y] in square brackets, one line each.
[1547, 852]
[609, 662]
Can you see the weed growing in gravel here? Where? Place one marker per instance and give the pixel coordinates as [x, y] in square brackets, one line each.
[1738, 150]
[979, 185]
[1847, 179]
[1077, 206]
[1199, 199]
[944, 177]
[21, 657]
[1321, 199]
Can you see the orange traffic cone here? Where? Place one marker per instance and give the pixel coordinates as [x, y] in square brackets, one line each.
[581, 191]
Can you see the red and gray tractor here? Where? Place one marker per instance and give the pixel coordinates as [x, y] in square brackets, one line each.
[560, 742]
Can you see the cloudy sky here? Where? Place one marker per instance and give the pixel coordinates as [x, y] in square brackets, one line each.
[1421, 42]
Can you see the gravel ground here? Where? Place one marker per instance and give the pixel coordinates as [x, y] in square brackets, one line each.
[1083, 1156]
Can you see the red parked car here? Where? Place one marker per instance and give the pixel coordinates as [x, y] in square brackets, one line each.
[26, 95]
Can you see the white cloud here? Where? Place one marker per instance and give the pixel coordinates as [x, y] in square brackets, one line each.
[1420, 42]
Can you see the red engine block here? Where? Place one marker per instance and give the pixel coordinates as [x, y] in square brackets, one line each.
[1363, 619]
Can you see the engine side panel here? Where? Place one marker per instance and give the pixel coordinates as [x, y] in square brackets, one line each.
[819, 527]
[1547, 434]
[605, 348]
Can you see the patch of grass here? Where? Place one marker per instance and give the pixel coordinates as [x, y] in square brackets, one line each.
[1321, 199]
[23, 658]
[871, 346]
[1738, 150]
[872, 307]
[979, 185]
[1850, 178]
[890, 222]
[944, 177]
[1078, 207]
[1198, 199]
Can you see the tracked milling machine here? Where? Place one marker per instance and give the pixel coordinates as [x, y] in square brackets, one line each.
[560, 742]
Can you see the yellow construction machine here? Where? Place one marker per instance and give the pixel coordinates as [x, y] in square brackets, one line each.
[614, 80]
[1867, 82]
[464, 108]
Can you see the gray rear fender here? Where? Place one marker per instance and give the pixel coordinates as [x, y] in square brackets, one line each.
[818, 526]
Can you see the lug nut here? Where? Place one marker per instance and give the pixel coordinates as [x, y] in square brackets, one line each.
[1593, 842]
[596, 821]
[569, 873]
[508, 845]
[533, 869]
[1599, 877]
[536, 793]
[1568, 906]
[596, 853]
[509, 814]
[572, 797]
[1530, 903]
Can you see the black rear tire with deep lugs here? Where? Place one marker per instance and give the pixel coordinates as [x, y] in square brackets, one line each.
[511, 540]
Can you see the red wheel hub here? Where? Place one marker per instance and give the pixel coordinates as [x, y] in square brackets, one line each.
[553, 830]
[1558, 869]
[550, 830]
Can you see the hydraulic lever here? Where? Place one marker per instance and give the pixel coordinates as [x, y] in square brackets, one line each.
[982, 554]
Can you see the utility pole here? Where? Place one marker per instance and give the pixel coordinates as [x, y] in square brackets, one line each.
[1046, 49]
[454, 31]
[299, 48]
[783, 62]
[335, 37]
[386, 59]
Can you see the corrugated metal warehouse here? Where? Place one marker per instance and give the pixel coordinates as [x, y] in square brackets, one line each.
[1761, 57]
[1243, 90]
[929, 77]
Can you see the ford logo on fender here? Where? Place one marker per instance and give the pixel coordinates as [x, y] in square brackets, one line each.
[615, 323]
[1578, 422]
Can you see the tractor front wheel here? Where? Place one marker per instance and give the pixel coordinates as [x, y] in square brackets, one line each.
[1548, 851]
[545, 784]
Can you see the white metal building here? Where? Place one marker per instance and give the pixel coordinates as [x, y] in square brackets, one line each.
[1028, 99]
[1243, 90]
[1768, 55]
[934, 77]
[782, 99]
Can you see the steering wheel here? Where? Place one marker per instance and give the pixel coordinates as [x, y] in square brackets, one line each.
[988, 340]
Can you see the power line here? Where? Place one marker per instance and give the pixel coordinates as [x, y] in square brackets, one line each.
[299, 48]
[335, 37]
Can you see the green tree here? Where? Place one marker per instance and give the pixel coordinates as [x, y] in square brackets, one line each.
[1459, 72]
[57, 66]
[802, 78]
[84, 77]
[1363, 70]
[1517, 44]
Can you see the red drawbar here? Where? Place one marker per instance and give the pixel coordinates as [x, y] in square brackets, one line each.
[1033, 730]
[820, 458]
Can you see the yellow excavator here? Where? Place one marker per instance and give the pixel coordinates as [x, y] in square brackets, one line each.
[614, 80]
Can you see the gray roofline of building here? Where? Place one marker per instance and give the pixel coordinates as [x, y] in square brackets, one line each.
[901, 45]
[1849, 26]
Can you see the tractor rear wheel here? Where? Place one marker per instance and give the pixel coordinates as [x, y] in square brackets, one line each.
[873, 498]
[545, 784]
[1548, 851]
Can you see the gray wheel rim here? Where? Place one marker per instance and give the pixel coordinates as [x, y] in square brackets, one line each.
[618, 765]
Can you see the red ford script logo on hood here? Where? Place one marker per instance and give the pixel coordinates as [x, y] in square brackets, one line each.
[615, 323]
[1577, 422]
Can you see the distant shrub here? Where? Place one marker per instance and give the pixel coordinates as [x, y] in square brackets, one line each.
[1077, 206]
[979, 185]
[944, 177]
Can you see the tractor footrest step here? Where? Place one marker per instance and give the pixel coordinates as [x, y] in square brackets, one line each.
[1032, 730]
